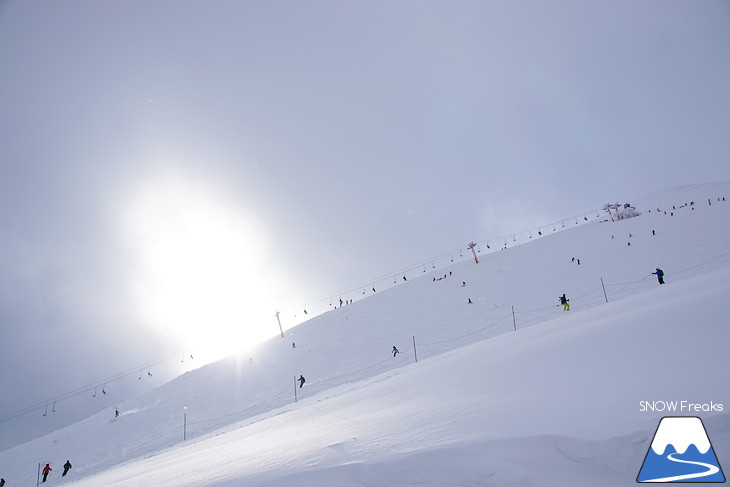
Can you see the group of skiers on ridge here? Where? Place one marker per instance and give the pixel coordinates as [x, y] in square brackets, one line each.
[658, 273]
[47, 469]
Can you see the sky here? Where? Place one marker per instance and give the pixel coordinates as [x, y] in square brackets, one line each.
[173, 173]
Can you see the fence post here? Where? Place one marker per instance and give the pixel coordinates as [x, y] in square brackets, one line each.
[604, 290]
[415, 354]
[514, 321]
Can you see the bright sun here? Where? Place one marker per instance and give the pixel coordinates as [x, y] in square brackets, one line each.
[199, 269]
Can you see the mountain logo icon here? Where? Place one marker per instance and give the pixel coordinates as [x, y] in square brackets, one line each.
[681, 452]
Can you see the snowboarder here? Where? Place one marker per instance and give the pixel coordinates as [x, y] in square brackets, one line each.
[116, 413]
[395, 351]
[564, 302]
[469, 302]
[46, 470]
[659, 275]
[2, 482]
[301, 380]
[66, 467]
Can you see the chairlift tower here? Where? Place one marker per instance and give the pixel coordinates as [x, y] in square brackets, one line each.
[471, 247]
[279, 321]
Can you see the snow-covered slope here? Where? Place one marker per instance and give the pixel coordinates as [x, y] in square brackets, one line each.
[534, 397]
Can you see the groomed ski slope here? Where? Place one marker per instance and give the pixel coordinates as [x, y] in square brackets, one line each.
[556, 402]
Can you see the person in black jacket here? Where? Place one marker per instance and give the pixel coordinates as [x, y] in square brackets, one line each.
[564, 302]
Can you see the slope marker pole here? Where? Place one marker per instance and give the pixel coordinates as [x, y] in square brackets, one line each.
[514, 321]
[604, 290]
[415, 354]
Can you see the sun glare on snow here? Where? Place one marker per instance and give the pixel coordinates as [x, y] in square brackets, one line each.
[198, 270]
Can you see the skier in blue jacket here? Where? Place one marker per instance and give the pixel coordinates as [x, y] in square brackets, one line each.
[659, 275]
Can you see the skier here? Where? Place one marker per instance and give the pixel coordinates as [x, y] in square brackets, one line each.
[116, 413]
[469, 302]
[66, 467]
[2, 482]
[659, 275]
[395, 351]
[46, 470]
[564, 302]
[301, 380]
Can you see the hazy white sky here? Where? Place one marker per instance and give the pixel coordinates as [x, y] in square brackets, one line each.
[172, 172]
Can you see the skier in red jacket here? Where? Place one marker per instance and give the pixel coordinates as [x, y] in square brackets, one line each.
[46, 470]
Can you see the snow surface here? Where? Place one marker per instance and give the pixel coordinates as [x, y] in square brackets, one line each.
[496, 398]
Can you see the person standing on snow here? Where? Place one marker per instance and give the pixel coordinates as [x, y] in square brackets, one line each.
[46, 470]
[659, 275]
[395, 351]
[301, 380]
[66, 467]
[564, 302]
